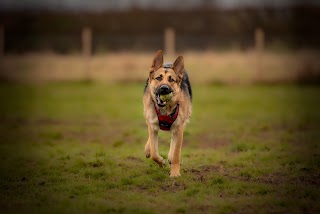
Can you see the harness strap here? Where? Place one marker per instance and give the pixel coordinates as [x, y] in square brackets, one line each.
[166, 121]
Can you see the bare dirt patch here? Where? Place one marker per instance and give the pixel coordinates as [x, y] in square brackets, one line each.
[203, 173]
[135, 159]
[175, 186]
[207, 141]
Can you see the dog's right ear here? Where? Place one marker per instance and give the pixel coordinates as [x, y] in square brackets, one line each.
[157, 62]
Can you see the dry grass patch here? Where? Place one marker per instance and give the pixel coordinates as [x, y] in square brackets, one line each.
[204, 67]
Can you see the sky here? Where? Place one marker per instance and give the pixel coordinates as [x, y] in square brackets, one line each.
[96, 5]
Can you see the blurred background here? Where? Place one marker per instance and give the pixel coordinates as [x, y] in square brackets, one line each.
[72, 131]
[225, 41]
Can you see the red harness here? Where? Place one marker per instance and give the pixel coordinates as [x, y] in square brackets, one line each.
[166, 121]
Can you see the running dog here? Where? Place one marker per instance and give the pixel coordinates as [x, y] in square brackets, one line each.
[167, 106]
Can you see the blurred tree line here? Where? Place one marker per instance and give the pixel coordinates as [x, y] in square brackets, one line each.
[286, 28]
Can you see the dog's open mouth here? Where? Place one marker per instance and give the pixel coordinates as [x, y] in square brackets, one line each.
[163, 95]
[162, 99]
[160, 102]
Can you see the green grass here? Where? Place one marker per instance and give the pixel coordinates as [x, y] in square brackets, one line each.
[79, 148]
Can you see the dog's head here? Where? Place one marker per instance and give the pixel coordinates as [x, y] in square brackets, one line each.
[164, 81]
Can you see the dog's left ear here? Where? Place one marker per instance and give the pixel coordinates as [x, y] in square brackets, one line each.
[178, 67]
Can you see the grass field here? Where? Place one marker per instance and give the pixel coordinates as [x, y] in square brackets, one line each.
[79, 148]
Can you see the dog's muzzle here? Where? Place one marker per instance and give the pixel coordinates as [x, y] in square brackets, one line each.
[162, 90]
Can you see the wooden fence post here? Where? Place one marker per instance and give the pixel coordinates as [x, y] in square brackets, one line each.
[259, 41]
[169, 40]
[2, 43]
[86, 42]
[86, 50]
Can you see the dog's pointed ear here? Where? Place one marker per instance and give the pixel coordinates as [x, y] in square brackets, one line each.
[178, 66]
[157, 61]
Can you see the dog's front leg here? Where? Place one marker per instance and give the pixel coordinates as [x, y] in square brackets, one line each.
[175, 151]
[152, 146]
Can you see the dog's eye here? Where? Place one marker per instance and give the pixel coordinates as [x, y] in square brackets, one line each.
[159, 78]
[170, 79]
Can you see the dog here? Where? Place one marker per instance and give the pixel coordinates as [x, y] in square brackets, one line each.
[167, 106]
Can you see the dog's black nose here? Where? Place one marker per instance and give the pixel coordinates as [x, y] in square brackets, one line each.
[165, 89]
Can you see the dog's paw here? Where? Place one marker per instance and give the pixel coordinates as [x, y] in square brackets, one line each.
[160, 161]
[175, 174]
[147, 151]
[175, 171]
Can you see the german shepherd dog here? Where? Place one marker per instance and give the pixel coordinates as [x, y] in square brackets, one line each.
[167, 106]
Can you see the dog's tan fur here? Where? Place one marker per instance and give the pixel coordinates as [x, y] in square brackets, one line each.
[171, 77]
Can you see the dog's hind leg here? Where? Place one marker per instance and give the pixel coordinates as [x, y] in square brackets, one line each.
[152, 146]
